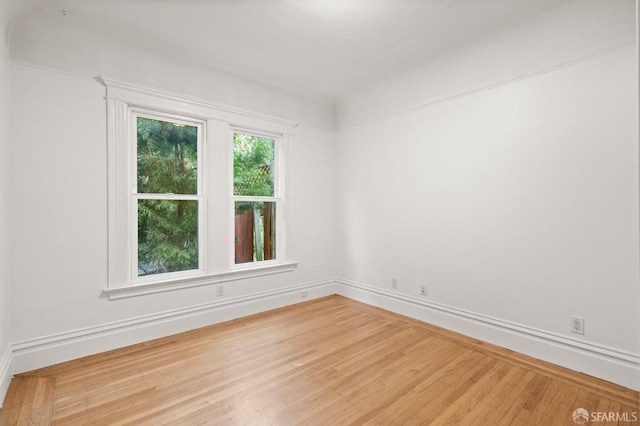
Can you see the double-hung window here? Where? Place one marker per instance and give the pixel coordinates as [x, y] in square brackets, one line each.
[197, 192]
[167, 202]
[256, 201]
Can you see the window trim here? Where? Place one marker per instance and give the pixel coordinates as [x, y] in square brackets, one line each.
[162, 286]
[218, 122]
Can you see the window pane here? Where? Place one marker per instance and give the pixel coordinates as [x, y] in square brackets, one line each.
[255, 235]
[253, 165]
[167, 236]
[167, 157]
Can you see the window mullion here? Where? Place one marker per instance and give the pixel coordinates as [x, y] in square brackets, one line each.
[218, 203]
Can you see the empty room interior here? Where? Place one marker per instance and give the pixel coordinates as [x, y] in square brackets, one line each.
[319, 212]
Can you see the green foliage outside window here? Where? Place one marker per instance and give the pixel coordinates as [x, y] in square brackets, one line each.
[253, 161]
[167, 229]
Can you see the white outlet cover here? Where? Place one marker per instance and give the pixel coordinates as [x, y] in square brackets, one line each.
[577, 325]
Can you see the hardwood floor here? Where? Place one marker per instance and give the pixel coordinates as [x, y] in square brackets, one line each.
[330, 361]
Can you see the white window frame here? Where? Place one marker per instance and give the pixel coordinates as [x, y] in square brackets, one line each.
[135, 195]
[125, 101]
[279, 186]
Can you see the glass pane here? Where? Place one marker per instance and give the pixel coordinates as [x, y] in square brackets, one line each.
[167, 236]
[167, 157]
[255, 235]
[253, 165]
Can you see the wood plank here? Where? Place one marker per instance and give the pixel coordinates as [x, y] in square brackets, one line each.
[326, 361]
[29, 401]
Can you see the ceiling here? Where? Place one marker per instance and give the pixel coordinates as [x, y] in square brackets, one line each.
[323, 48]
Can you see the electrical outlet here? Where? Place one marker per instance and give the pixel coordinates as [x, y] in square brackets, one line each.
[423, 290]
[394, 283]
[220, 290]
[577, 325]
[304, 294]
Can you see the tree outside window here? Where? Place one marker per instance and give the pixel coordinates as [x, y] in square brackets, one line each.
[167, 182]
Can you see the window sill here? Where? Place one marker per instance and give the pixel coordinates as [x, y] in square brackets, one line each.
[202, 280]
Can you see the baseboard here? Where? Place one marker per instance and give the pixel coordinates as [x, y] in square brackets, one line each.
[6, 373]
[613, 365]
[610, 364]
[40, 352]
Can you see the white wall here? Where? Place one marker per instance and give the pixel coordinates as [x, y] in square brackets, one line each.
[37, 39]
[58, 171]
[519, 202]
[4, 205]
[573, 31]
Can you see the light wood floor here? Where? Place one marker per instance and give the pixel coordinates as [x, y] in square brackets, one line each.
[330, 361]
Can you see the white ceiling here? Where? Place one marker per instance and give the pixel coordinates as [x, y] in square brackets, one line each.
[324, 48]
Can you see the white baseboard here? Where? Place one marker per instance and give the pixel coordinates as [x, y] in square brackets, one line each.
[48, 350]
[6, 373]
[610, 364]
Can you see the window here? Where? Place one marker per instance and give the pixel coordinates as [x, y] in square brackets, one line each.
[255, 194]
[197, 192]
[168, 197]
